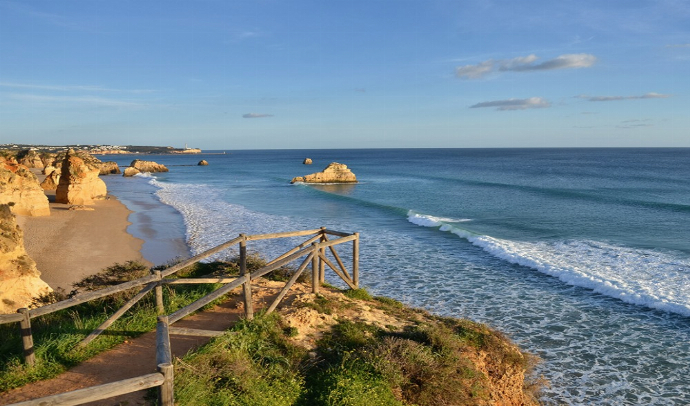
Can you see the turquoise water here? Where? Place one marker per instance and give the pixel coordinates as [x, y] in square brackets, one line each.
[580, 255]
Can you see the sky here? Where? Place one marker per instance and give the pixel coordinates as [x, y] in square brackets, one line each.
[275, 74]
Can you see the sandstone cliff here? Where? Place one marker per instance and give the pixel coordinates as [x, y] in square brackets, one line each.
[148, 166]
[30, 159]
[52, 179]
[20, 188]
[334, 173]
[20, 281]
[129, 171]
[79, 182]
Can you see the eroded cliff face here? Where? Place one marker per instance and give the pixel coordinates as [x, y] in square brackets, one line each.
[20, 280]
[79, 181]
[333, 173]
[20, 188]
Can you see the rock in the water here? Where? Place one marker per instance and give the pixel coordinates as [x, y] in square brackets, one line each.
[110, 168]
[203, 162]
[334, 173]
[307, 161]
[148, 166]
[20, 280]
[20, 188]
[129, 171]
[52, 179]
[79, 181]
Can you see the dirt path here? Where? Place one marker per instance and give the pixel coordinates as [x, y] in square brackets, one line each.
[138, 356]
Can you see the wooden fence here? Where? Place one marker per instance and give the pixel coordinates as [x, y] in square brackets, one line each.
[314, 251]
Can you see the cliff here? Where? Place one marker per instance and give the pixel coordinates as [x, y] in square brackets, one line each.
[333, 173]
[20, 281]
[79, 181]
[20, 188]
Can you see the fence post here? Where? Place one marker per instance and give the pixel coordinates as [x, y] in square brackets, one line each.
[165, 391]
[322, 251]
[159, 293]
[27, 338]
[246, 287]
[355, 261]
[314, 270]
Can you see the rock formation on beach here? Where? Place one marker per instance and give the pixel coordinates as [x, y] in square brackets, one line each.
[110, 168]
[307, 161]
[334, 173]
[79, 181]
[20, 280]
[129, 172]
[30, 159]
[20, 188]
[52, 179]
[148, 166]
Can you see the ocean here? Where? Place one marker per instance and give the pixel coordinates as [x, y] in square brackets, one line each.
[581, 256]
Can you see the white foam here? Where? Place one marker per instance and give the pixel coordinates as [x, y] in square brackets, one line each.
[649, 278]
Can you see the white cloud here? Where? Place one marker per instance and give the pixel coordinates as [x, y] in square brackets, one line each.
[525, 64]
[650, 95]
[97, 101]
[515, 104]
[256, 115]
[71, 88]
[475, 71]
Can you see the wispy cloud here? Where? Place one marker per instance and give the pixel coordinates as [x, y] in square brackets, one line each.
[71, 88]
[256, 115]
[93, 100]
[515, 104]
[524, 64]
[650, 95]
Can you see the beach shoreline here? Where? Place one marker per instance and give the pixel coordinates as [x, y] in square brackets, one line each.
[70, 245]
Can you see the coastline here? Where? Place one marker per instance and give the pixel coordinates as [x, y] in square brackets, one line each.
[69, 244]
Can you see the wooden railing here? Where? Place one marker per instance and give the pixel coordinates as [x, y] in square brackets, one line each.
[313, 250]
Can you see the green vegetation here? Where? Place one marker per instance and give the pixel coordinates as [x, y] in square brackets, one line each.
[56, 335]
[354, 363]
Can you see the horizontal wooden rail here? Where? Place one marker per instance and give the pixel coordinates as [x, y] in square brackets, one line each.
[100, 392]
[192, 281]
[182, 331]
[10, 318]
[287, 234]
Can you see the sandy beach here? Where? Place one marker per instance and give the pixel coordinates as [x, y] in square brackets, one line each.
[69, 244]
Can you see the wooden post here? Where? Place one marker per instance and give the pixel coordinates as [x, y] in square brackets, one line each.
[247, 287]
[165, 391]
[160, 306]
[163, 350]
[314, 270]
[27, 338]
[322, 252]
[355, 261]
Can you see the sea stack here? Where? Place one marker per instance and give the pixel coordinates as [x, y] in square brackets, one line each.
[20, 189]
[307, 161]
[203, 162]
[334, 173]
[79, 181]
[148, 166]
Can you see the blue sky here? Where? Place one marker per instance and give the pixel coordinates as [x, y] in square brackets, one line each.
[346, 73]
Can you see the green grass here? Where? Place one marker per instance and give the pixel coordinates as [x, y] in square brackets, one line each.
[56, 335]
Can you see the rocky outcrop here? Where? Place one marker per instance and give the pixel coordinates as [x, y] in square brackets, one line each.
[203, 162]
[20, 281]
[20, 188]
[129, 171]
[52, 179]
[307, 161]
[30, 159]
[79, 181]
[110, 168]
[148, 166]
[334, 173]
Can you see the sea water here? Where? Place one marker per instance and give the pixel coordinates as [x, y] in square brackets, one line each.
[581, 256]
